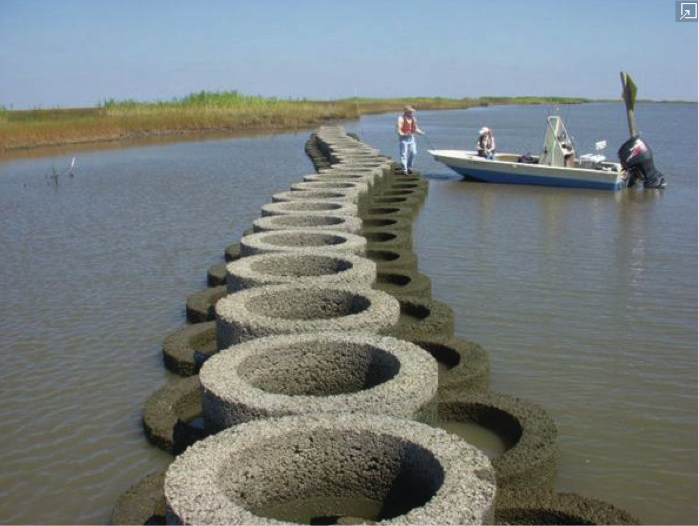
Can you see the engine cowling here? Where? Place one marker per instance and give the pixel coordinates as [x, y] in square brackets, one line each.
[636, 157]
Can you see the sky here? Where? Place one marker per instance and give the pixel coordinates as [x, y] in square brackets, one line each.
[73, 53]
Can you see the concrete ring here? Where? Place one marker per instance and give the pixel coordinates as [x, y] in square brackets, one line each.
[329, 195]
[370, 181]
[531, 461]
[421, 318]
[200, 305]
[352, 225]
[232, 252]
[291, 309]
[359, 188]
[374, 223]
[402, 284]
[309, 207]
[332, 372]
[463, 365]
[249, 474]
[143, 503]
[216, 275]
[185, 350]
[393, 258]
[560, 508]
[381, 238]
[309, 268]
[169, 418]
[295, 240]
[390, 211]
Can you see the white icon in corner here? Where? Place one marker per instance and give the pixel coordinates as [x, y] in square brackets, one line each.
[688, 10]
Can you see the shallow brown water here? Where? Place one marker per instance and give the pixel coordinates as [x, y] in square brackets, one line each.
[94, 274]
[585, 300]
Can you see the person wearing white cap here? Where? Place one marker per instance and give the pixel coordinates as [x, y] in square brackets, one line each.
[407, 129]
[486, 143]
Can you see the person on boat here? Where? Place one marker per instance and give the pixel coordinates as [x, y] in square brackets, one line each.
[486, 143]
[407, 129]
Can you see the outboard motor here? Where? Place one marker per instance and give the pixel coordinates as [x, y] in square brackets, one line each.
[636, 158]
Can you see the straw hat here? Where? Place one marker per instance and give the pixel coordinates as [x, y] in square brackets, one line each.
[483, 130]
[408, 109]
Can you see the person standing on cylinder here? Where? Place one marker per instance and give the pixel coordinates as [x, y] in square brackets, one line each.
[407, 129]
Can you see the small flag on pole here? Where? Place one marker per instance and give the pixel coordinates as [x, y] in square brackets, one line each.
[601, 145]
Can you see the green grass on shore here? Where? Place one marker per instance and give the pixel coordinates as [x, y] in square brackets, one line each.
[209, 112]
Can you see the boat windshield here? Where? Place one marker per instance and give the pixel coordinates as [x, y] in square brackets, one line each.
[557, 143]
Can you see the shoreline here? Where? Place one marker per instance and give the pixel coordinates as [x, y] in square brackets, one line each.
[121, 137]
[34, 130]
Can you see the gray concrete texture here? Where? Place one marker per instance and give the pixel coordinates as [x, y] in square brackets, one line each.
[352, 225]
[333, 241]
[319, 373]
[465, 366]
[292, 309]
[532, 461]
[186, 349]
[309, 207]
[336, 195]
[416, 473]
[306, 268]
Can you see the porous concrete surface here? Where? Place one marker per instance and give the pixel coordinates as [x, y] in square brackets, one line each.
[143, 503]
[557, 508]
[186, 349]
[425, 474]
[390, 211]
[533, 460]
[387, 238]
[422, 318]
[402, 201]
[290, 309]
[393, 258]
[216, 275]
[359, 188]
[307, 268]
[402, 283]
[466, 364]
[168, 411]
[299, 240]
[326, 195]
[200, 305]
[309, 207]
[331, 372]
[232, 252]
[353, 225]
[377, 223]
[369, 181]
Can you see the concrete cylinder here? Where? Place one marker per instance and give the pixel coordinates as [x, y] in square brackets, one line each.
[301, 268]
[375, 468]
[309, 207]
[352, 225]
[319, 373]
[299, 240]
[326, 195]
[290, 309]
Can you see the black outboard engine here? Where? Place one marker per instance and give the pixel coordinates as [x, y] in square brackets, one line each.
[636, 158]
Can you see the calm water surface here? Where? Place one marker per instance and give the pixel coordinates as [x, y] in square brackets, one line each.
[586, 300]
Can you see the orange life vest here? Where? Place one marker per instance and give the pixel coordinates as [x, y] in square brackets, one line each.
[408, 126]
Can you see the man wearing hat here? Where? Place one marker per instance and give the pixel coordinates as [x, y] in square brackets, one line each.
[407, 129]
[486, 143]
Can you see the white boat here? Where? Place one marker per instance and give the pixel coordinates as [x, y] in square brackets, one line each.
[556, 166]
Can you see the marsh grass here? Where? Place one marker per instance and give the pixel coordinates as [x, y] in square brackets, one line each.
[204, 112]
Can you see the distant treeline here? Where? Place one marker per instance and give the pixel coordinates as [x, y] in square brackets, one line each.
[208, 111]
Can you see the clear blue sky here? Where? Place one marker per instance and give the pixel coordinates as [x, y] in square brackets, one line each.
[78, 52]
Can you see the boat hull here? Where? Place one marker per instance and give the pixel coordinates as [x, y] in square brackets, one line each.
[476, 168]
